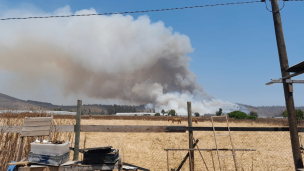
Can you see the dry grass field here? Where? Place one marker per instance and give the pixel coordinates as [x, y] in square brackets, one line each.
[146, 150]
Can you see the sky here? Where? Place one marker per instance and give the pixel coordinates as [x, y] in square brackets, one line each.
[234, 46]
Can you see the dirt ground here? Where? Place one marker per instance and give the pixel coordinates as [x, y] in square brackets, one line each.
[146, 150]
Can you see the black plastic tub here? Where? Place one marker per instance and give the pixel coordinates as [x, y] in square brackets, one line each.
[92, 157]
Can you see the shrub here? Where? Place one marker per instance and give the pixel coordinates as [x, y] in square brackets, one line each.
[252, 113]
[251, 117]
[157, 114]
[299, 114]
[237, 115]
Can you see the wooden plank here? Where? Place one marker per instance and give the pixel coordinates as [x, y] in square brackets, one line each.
[36, 128]
[62, 128]
[45, 123]
[72, 168]
[38, 119]
[122, 128]
[34, 133]
[300, 129]
[10, 129]
[145, 128]
[20, 163]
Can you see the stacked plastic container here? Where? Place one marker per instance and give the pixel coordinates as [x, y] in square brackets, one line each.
[49, 154]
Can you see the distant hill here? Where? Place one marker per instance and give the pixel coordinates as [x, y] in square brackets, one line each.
[267, 111]
[8, 102]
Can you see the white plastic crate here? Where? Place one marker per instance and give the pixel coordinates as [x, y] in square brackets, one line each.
[50, 149]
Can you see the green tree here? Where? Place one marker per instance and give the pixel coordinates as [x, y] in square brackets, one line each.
[252, 113]
[163, 112]
[196, 114]
[171, 112]
[219, 113]
[299, 114]
[284, 114]
[157, 114]
[237, 115]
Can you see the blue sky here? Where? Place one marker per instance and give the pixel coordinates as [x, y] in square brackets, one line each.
[235, 50]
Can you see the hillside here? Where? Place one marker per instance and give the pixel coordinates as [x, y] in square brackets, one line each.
[267, 111]
[8, 102]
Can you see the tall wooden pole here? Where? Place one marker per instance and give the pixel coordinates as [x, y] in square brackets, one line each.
[191, 156]
[77, 131]
[288, 90]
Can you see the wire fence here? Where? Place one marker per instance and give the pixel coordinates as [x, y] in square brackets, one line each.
[146, 150]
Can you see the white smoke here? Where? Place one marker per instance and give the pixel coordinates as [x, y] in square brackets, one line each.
[114, 57]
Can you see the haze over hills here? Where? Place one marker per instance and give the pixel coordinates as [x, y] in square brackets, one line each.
[8, 102]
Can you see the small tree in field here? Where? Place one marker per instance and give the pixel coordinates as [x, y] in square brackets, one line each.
[196, 114]
[171, 112]
[284, 114]
[157, 114]
[163, 112]
[219, 113]
[299, 114]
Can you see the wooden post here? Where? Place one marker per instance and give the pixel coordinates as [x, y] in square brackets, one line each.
[191, 156]
[120, 163]
[77, 131]
[288, 90]
[20, 149]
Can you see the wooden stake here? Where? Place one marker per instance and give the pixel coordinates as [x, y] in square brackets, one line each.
[77, 131]
[20, 149]
[191, 156]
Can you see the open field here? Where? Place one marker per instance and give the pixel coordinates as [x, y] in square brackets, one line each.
[273, 149]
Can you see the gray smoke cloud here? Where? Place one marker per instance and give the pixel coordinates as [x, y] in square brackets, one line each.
[116, 57]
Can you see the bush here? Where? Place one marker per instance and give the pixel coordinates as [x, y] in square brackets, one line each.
[251, 117]
[196, 114]
[284, 114]
[237, 115]
[157, 114]
[252, 113]
[299, 114]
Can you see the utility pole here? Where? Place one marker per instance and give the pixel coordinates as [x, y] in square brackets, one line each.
[288, 89]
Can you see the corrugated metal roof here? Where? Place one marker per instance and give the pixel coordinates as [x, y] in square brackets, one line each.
[296, 68]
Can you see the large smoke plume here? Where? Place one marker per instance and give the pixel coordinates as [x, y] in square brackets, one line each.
[114, 57]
